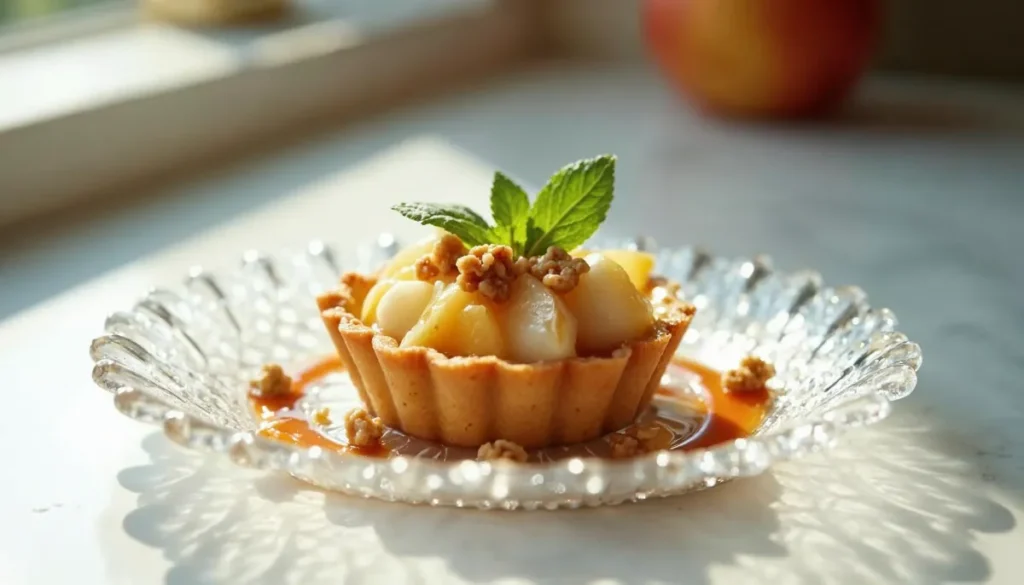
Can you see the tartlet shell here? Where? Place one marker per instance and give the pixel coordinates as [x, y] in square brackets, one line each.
[469, 401]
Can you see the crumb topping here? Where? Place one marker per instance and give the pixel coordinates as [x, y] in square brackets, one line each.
[637, 440]
[322, 416]
[673, 308]
[666, 298]
[501, 449]
[272, 381]
[489, 269]
[556, 269]
[751, 375]
[361, 429]
[624, 446]
[442, 259]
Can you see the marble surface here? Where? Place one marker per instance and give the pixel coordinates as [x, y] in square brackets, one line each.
[915, 196]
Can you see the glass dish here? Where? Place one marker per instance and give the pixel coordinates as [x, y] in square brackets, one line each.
[182, 357]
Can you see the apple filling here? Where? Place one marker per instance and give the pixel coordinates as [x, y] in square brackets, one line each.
[532, 310]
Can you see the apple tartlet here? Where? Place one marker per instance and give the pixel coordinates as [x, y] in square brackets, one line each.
[465, 339]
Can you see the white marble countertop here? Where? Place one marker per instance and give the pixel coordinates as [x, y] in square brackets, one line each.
[917, 200]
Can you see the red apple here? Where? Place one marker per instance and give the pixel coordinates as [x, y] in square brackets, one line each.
[763, 58]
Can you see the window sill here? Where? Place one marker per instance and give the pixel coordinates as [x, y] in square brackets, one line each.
[86, 116]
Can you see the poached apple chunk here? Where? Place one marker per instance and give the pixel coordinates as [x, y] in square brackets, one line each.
[483, 333]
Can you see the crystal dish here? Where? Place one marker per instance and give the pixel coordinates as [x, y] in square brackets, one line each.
[181, 358]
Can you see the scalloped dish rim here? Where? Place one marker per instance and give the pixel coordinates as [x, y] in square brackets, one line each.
[864, 408]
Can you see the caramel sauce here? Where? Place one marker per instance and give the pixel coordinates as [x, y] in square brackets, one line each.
[730, 416]
[727, 416]
[298, 432]
[282, 422]
[317, 371]
[271, 407]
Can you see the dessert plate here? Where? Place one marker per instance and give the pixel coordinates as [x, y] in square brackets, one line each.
[182, 357]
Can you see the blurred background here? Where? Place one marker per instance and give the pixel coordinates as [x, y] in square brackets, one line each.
[937, 36]
[878, 142]
[127, 126]
[22, 10]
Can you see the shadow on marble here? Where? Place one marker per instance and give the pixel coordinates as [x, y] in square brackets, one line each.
[899, 504]
[892, 507]
[663, 541]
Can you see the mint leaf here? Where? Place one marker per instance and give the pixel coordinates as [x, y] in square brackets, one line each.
[568, 210]
[510, 206]
[458, 220]
[571, 207]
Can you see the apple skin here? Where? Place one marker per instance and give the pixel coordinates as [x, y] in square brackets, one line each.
[763, 58]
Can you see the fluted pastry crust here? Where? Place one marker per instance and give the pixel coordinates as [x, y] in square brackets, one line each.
[469, 401]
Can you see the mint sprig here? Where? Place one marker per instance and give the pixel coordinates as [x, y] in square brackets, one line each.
[571, 207]
[455, 219]
[567, 211]
[510, 207]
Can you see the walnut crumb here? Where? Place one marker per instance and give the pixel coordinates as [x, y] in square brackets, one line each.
[272, 381]
[624, 446]
[751, 375]
[441, 261]
[501, 449]
[556, 269]
[322, 416]
[489, 269]
[361, 429]
[637, 440]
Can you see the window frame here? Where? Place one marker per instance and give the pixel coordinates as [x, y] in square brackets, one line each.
[66, 26]
[299, 82]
